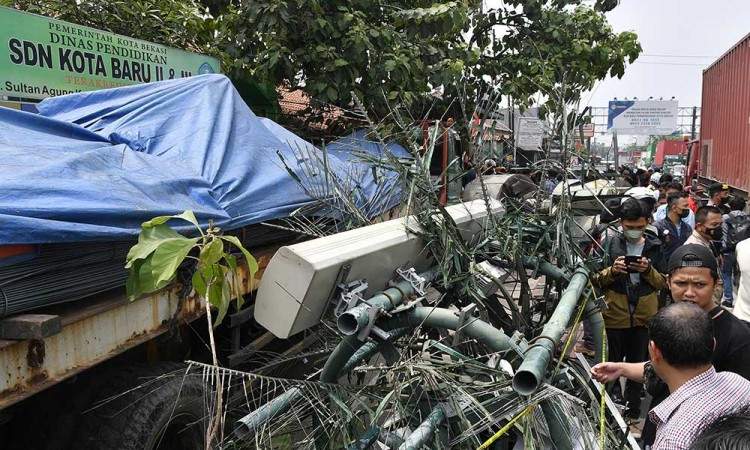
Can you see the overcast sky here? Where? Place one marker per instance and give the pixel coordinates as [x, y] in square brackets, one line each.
[680, 38]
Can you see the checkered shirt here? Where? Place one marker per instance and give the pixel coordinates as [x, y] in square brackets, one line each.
[686, 411]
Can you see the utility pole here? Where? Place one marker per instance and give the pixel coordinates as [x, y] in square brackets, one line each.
[617, 150]
[695, 117]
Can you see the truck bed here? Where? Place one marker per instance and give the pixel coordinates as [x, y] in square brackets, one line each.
[95, 330]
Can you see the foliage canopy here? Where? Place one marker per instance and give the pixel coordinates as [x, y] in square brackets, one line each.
[384, 52]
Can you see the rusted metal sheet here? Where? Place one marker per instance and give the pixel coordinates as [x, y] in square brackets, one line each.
[725, 118]
[95, 331]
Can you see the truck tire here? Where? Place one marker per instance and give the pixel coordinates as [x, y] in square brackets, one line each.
[153, 406]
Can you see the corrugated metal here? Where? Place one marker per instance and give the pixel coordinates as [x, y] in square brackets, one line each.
[669, 148]
[725, 118]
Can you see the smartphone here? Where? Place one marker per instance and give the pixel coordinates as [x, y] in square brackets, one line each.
[632, 259]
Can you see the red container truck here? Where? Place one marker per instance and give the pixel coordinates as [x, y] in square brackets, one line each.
[724, 150]
[669, 148]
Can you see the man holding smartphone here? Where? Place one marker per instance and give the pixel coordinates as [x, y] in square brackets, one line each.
[631, 278]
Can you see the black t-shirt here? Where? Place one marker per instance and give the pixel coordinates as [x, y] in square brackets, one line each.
[732, 352]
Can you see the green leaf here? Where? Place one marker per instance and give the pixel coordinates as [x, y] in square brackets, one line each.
[252, 264]
[212, 252]
[167, 257]
[225, 296]
[340, 63]
[201, 278]
[148, 240]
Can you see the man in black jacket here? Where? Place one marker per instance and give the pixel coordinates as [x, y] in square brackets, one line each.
[630, 279]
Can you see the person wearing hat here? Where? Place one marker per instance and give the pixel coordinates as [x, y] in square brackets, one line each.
[693, 276]
[630, 280]
[718, 194]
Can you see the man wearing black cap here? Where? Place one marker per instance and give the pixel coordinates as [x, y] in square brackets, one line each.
[693, 276]
[719, 196]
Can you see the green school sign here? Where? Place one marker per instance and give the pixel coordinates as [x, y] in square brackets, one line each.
[42, 57]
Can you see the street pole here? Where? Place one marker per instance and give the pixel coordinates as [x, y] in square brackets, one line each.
[695, 117]
[617, 150]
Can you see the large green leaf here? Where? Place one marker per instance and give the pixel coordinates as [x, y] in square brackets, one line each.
[252, 264]
[212, 252]
[167, 257]
[148, 240]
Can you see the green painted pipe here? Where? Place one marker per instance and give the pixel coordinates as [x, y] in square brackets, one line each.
[245, 428]
[529, 375]
[365, 441]
[596, 320]
[339, 357]
[354, 320]
[547, 269]
[448, 319]
[559, 427]
[367, 351]
[424, 431]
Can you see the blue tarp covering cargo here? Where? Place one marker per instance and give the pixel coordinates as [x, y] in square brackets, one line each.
[95, 165]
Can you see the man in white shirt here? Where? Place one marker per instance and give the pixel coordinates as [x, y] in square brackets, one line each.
[707, 232]
[742, 302]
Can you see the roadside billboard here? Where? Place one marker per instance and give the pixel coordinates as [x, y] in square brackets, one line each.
[635, 117]
[530, 133]
[42, 57]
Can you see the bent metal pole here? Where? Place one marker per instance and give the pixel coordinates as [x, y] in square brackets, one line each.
[529, 375]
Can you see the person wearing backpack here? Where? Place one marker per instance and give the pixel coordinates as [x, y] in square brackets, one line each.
[736, 227]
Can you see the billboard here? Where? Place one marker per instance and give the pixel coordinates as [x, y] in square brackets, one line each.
[42, 57]
[649, 117]
[530, 133]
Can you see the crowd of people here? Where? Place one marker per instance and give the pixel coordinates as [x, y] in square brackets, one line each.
[675, 275]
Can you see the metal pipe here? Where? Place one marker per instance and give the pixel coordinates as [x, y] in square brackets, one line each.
[369, 437]
[354, 320]
[547, 269]
[247, 426]
[559, 426]
[448, 319]
[424, 431]
[594, 316]
[339, 357]
[531, 372]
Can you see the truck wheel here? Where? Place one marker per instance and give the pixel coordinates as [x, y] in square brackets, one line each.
[156, 406]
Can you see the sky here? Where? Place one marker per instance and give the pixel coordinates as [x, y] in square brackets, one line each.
[680, 38]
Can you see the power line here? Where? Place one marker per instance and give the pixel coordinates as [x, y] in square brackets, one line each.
[670, 64]
[678, 56]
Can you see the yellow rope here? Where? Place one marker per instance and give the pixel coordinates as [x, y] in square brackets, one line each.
[507, 426]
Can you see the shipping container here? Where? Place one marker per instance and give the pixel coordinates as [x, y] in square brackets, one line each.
[669, 148]
[725, 119]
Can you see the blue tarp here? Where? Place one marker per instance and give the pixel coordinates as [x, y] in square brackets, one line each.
[95, 165]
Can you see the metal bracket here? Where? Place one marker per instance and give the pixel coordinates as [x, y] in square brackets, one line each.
[465, 313]
[601, 303]
[350, 295]
[375, 313]
[418, 283]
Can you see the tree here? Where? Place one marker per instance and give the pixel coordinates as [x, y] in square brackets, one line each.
[384, 52]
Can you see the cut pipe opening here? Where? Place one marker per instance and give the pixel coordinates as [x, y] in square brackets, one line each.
[525, 382]
[347, 324]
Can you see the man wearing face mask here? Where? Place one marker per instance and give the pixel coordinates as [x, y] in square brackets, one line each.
[631, 291]
[708, 232]
[719, 196]
[673, 231]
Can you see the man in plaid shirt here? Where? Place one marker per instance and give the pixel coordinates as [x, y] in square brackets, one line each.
[681, 346]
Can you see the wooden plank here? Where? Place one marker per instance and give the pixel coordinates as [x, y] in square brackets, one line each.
[30, 326]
